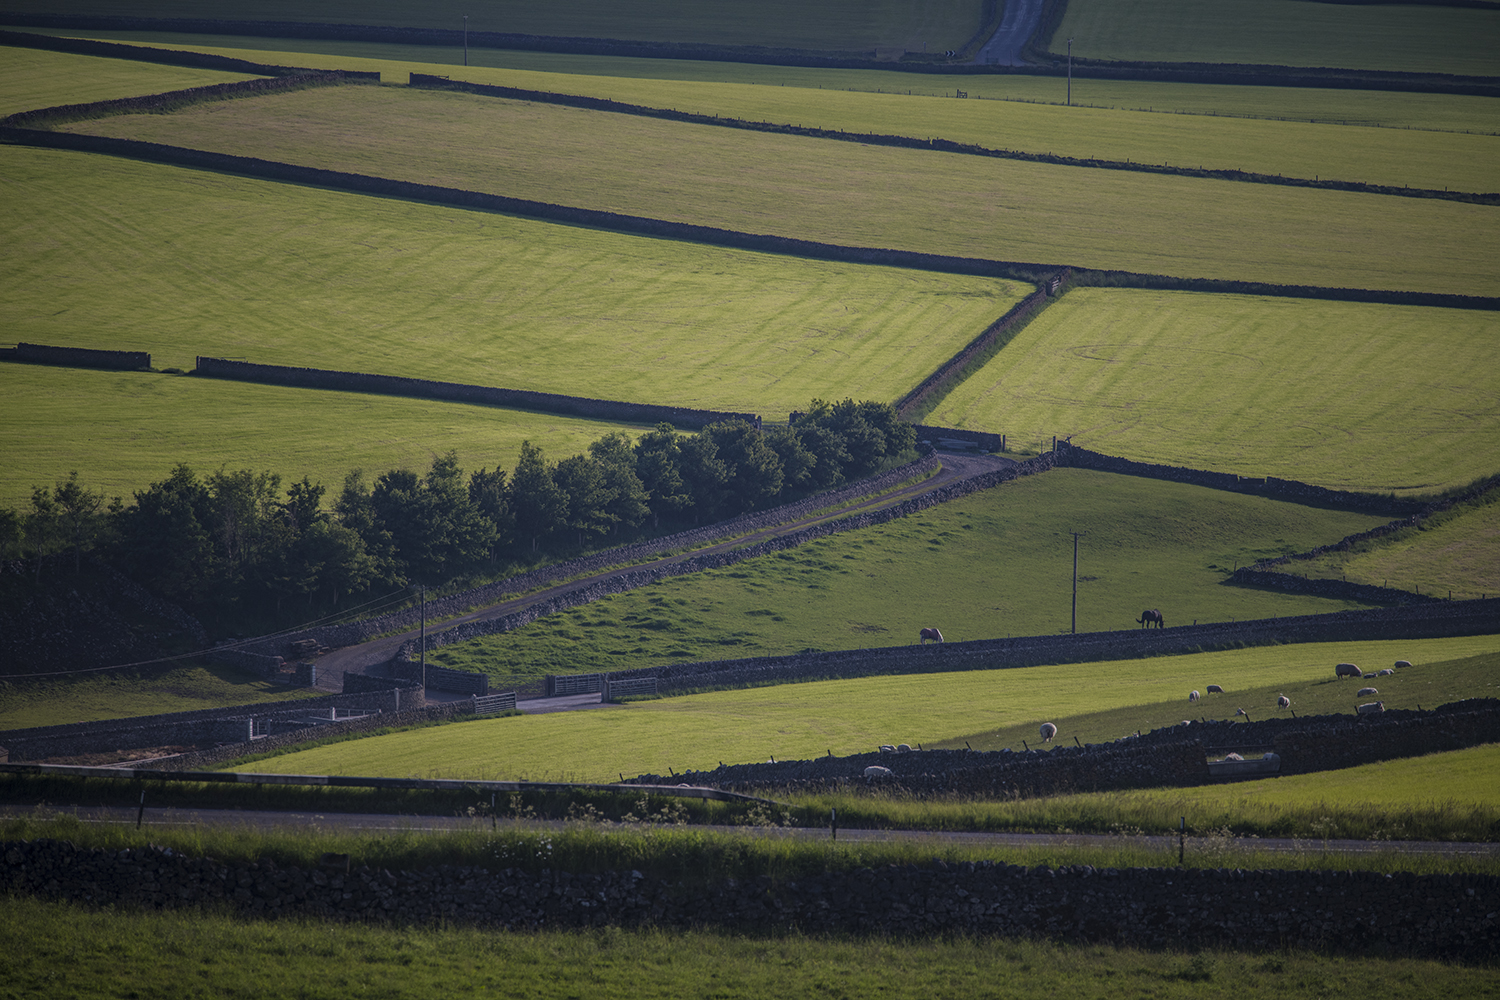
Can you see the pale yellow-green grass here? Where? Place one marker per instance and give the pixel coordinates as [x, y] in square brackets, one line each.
[840, 25]
[836, 192]
[35, 78]
[1412, 38]
[1459, 556]
[122, 431]
[101, 252]
[800, 721]
[991, 565]
[1346, 395]
[697, 85]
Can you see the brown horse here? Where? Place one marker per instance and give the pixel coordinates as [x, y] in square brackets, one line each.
[1149, 618]
[931, 633]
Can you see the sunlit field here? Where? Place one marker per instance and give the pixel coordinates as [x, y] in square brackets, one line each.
[34, 78]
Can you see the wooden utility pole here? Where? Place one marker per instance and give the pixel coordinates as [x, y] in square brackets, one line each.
[1075, 535]
[1070, 71]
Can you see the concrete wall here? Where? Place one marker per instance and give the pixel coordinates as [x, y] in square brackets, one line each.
[1432, 916]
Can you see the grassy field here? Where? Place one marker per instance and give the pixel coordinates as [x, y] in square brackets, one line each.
[1413, 38]
[1345, 395]
[711, 87]
[800, 721]
[867, 196]
[995, 564]
[124, 430]
[85, 953]
[111, 253]
[32, 78]
[1450, 553]
[118, 695]
[841, 25]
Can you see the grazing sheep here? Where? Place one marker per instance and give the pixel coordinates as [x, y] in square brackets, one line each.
[1048, 731]
[903, 748]
[1193, 696]
[1215, 689]
[1283, 702]
[1402, 663]
[1241, 711]
[1187, 722]
[1365, 691]
[1369, 677]
[1384, 673]
[1347, 670]
[1233, 756]
[876, 771]
[887, 748]
[1372, 708]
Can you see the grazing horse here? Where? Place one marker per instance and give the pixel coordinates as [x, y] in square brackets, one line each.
[1149, 618]
[931, 633]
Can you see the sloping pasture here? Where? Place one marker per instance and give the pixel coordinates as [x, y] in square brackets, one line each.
[799, 721]
[34, 78]
[836, 192]
[1346, 395]
[721, 87]
[1455, 553]
[995, 564]
[122, 431]
[101, 252]
[842, 25]
[1412, 38]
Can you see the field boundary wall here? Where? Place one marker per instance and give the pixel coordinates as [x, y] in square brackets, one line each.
[1417, 621]
[1438, 916]
[134, 53]
[709, 236]
[432, 82]
[78, 357]
[457, 392]
[445, 607]
[1047, 64]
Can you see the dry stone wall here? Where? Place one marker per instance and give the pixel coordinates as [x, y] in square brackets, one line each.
[1437, 916]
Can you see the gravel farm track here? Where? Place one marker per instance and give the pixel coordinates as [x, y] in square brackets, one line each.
[368, 657]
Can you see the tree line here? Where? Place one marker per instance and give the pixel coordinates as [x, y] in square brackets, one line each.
[237, 541]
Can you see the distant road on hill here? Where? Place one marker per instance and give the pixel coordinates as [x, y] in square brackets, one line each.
[1019, 23]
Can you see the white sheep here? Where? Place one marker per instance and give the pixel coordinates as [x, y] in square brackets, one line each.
[887, 748]
[1187, 722]
[1283, 702]
[1233, 756]
[1241, 711]
[1384, 673]
[1402, 663]
[1372, 708]
[876, 771]
[1364, 692]
[1347, 670]
[1193, 696]
[903, 748]
[1048, 731]
[1215, 689]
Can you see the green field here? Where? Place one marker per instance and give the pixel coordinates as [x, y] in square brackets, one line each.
[801, 721]
[119, 695]
[842, 25]
[1412, 38]
[57, 949]
[33, 78]
[123, 431]
[1453, 553]
[112, 253]
[710, 87]
[991, 565]
[1345, 395]
[836, 192]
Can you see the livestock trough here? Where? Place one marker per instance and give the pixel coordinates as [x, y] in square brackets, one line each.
[1223, 770]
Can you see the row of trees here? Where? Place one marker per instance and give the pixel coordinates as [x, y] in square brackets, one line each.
[236, 539]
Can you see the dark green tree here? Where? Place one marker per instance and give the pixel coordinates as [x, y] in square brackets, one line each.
[754, 473]
[539, 504]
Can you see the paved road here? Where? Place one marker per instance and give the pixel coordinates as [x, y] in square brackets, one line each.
[388, 823]
[369, 656]
[1017, 24]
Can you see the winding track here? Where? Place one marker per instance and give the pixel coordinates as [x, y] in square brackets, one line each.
[367, 657]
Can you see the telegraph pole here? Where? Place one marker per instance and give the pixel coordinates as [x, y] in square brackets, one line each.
[466, 52]
[1075, 535]
[1070, 72]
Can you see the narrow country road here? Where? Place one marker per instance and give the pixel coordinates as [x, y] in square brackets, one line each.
[369, 656]
[1017, 24]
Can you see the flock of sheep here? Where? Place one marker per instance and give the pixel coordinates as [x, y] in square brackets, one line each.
[1048, 731]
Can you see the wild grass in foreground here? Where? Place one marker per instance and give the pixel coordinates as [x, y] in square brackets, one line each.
[61, 949]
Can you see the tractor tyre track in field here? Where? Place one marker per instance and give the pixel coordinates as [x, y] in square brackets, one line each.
[369, 657]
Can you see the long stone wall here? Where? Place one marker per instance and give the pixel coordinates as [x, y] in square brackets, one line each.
[526, 399]
[1389, 736]
[1437, 916]
[81, 357]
